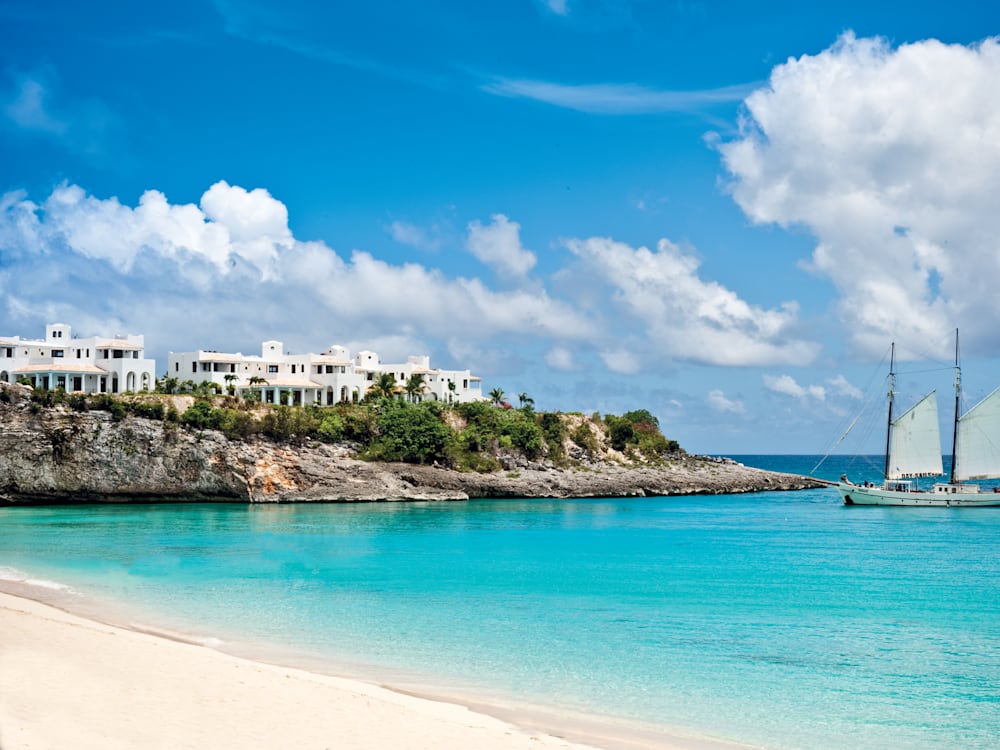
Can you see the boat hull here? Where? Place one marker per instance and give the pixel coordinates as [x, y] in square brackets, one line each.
[853, 494]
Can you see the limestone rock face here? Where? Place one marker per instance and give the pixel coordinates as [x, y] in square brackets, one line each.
[56, 455]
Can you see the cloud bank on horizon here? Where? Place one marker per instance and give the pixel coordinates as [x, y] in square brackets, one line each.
[234, 253]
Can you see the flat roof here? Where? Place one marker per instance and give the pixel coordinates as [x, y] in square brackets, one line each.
[64, 367]
[104, 345]
[277, 383]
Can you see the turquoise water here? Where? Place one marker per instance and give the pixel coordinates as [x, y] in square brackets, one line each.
[784, 620]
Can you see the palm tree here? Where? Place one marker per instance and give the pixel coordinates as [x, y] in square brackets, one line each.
[451, 391]
[230, 382]
[168, 385]
[254, 394]
[415, 386]
[384, 386]
[496, 396]
[525, 400]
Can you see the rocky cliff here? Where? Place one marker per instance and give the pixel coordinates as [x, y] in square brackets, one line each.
[54, 454]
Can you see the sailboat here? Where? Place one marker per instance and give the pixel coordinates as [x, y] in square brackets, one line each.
[913, 449]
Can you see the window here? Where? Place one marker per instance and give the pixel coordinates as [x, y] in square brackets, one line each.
[329, 369]
[9, 351]
[177, 366]
[135, 354]
[272, 369]
[293, 369]
[194, 367]
[57, 353]
[119, 354]
[206, 366]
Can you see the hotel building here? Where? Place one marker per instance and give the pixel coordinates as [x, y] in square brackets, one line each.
[324, 379]
[89, 365]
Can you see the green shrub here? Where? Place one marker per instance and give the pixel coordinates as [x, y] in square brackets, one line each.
[583, 436]
[147, 409]
[409, 433]
[235, 424]
[200, 415]
[331, 428]
[77, 402]
[525, 435]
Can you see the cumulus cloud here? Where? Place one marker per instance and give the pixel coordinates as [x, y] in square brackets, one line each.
[842, 387]
[788, 386]
[498, 245]
[686, 317]
[621, 361]
[718, 402]
[233, 263]
[891, 158]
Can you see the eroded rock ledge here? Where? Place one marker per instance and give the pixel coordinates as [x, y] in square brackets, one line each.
[55, 455]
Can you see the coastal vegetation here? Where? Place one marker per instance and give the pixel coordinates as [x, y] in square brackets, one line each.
[393, 424]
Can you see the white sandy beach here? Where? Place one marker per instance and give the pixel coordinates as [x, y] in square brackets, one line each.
[69, 682]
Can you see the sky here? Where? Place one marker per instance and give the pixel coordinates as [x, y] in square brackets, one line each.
[722, 212]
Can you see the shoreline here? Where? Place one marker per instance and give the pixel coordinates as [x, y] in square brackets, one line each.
[84, 668]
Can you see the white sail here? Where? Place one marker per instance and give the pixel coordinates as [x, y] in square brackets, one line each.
[915, 446]
[978, 449]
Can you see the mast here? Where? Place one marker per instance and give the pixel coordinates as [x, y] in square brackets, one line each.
[892, 387]
[954, 429]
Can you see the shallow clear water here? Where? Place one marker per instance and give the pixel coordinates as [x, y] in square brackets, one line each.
[780, 619]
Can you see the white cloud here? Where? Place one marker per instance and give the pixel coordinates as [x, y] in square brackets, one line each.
[560, 358]
[233, 266]
[787, 385]
[498, 245]
[28, 109]
[615, 99]
[559, 7]
[717, 401]
[686, 317]
[842, 387]
[412, 235]
[891, 158]
[32, 103]
[621, 361]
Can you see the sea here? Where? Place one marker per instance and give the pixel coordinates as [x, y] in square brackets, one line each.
[780, 620]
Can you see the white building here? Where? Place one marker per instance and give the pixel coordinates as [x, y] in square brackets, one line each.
[90, 365]
[327, 378]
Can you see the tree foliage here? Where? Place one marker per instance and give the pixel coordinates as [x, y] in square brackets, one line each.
[409, 433]
[388, 428]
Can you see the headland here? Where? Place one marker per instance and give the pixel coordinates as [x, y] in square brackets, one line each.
[55, 454]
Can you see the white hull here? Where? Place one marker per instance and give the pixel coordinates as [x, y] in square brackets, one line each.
[854, 494]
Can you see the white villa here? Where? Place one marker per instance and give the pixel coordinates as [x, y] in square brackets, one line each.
[91, 365]
[323, 379]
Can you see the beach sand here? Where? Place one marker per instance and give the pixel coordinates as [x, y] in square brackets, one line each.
[69, 682]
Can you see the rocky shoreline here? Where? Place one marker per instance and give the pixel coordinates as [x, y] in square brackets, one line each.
[55, 455]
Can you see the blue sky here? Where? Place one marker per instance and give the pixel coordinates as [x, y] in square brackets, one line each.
[719, 211]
